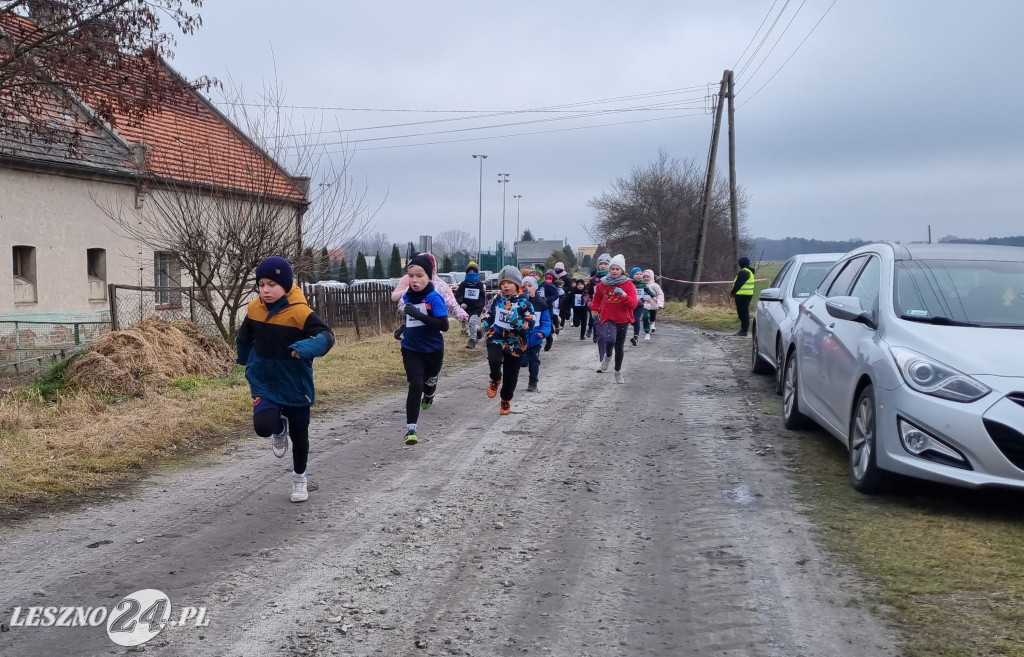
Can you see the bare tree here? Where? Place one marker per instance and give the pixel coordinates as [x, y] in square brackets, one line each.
[666, 196]
[89, 48]
[220, 233]
[452, 241]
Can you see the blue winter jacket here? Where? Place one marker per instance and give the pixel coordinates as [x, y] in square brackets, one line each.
[541, 323]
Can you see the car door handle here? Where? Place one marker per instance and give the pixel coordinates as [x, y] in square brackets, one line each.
[831, 327]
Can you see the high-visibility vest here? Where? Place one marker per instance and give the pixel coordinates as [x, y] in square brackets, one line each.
[748, 287]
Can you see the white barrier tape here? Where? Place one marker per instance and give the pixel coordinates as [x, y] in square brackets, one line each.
[707, 282]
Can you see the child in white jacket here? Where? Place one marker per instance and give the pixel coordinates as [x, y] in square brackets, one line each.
[656, 300]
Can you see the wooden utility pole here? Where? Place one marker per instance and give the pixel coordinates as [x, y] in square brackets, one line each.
[698, 260]
[733, 212]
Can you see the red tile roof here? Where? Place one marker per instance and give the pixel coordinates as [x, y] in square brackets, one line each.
[188, 139]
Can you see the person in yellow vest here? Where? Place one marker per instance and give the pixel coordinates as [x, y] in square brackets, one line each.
[743, 292]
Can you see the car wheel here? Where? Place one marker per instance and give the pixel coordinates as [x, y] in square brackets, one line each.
[792, 418]
[779, 368]
[865, 474]
[757, 364]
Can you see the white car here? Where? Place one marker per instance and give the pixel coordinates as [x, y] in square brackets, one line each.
[777, 309]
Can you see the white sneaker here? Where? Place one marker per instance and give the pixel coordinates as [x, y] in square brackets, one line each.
[647, 336]
[279, 441]
[652, 327]
[603, 367]
[619, 378]
[299, 492]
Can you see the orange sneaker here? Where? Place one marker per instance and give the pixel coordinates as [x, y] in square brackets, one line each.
[506, 407]
[492, 388]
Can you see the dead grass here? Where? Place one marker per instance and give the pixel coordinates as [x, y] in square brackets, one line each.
[69, 444]
[944, 565]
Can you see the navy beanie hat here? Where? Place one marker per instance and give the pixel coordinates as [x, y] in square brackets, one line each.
[425, 262]
[276, 269]
[744, 261]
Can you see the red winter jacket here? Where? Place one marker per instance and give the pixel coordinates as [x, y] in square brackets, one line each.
[611, 306]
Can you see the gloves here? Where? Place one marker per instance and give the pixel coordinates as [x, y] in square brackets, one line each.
[413, 311]
[620, 292]
[399, 331]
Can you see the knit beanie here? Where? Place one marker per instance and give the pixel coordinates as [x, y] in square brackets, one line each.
[619, 260]
[559, 266]
[531, 282]
[424, 261]
[472, 266]
[276, 269]
[634, 271]
[605, 258]
[510, 273]
[744, 261]
[549, 275]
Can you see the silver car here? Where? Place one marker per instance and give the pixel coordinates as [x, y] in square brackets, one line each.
[777, 309]
[913, 357]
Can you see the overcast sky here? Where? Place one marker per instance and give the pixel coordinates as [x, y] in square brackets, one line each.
[889, 116]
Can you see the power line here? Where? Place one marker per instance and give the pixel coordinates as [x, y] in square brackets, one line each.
[756, 32]
[791, 56]
[774, 45]
[763, 39]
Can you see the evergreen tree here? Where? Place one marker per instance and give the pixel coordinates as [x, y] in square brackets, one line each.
[447, 263]
[306, 264]
[378, 266]
[343, 272]
[361, 271]
[569, 259]
[395, 264]
[324, 265]
[586, 262]
[527, 236]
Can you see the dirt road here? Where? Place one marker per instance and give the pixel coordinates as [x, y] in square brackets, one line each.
[652, 518]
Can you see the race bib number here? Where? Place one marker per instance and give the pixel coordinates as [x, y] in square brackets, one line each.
[502, 318]
[412, 321]
[578, 301]
[472, 293]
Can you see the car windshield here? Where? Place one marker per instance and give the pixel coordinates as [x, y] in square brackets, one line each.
[809, 278]
[973, 292]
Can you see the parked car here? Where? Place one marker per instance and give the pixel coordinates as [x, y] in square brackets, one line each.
[449, 278]
[777, 306]
[331, 285]
[911, 355]
[364, 282]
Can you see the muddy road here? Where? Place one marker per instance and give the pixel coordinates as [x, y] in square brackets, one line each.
[653, 518]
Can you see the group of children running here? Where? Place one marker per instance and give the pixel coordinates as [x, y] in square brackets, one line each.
[281, 335]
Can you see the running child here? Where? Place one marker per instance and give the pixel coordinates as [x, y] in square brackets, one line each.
[426, 318]
[614, 301]
[472, 297]
[508, 319]
[277, 342]
[603, 261]
[640, 312]
[580, 303]
[539, 330]
[657, 299]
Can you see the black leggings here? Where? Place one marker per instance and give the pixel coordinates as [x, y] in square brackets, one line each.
[421, 369]
[268, 421]
[581, 318]
[743, 310]
[505, 368]
[613, 337]
[654, 315]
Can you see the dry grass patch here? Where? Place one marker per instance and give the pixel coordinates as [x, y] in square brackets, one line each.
[58, 443]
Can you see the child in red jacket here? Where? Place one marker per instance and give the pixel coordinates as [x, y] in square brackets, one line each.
[614, 302]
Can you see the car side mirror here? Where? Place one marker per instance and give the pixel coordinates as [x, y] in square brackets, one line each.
[848, 308]
[770, 294]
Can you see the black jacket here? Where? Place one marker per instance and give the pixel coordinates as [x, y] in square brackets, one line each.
[473, 306]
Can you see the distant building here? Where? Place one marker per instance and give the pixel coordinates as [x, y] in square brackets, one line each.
[536, 251]
[584, 251]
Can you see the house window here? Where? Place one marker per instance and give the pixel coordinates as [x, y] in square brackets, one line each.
[96, 270]
[167, 277]
[24, 274]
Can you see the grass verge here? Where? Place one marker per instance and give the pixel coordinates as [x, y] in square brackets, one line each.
[58, 446]
[943, 566]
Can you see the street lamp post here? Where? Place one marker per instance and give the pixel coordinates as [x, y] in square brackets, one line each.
[503, 180]
[480, 217]
[518, 234]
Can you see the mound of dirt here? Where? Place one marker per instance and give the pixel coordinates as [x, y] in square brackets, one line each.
[148, 355]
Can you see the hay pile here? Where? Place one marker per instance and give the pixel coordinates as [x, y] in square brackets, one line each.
[148, 355]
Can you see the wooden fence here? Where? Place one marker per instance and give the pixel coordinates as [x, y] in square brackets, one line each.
[368, 308]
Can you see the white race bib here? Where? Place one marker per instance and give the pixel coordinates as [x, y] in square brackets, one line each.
[501, 318]
[472, 293]
[412, 321]
[578, 301]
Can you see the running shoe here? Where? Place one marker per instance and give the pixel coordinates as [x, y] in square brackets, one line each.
[492, 388]
[299, 491]
[647, 336]
[633, 341]
[427, 402]
[506, 407]
[279, 441]
[411, 438]
[603, 367]
[619, 377]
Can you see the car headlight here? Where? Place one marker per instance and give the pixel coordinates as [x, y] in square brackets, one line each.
[931, 377]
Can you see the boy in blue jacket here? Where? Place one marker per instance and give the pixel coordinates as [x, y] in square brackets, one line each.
[277, 342]
[508, 318]
[540, 329]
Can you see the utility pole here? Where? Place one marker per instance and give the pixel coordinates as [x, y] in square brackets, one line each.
[698, 260]
[480, 217]
[733, 212]
[503, 180]
[659, 254]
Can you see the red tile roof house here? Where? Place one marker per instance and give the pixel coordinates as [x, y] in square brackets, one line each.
[61, 244]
